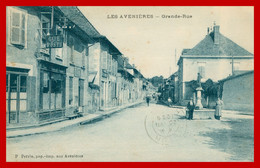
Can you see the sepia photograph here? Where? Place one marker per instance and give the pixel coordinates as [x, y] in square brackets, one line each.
[129, 84]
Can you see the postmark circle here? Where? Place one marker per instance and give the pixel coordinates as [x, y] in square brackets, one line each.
[163, 126]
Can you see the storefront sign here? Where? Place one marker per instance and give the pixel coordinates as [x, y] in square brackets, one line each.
[54, 41]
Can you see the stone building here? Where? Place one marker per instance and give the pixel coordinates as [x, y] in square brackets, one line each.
[215, 57]
[45, 83]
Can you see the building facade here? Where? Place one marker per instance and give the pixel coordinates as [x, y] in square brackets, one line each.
[44, 83]
[215, 57]
[58, 65]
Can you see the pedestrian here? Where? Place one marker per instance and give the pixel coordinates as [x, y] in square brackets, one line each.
[218, 111]
[169, 102]
[147, 100]
[190, 107]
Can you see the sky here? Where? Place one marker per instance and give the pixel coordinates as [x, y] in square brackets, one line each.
[151, 43]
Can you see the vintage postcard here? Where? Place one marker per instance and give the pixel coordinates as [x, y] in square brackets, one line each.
[129, 84]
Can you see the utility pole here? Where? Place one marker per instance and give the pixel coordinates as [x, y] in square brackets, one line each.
[232, 65]
[175, 57]
[52, 17]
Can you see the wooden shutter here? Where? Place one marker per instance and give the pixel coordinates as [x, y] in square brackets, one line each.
[109, 62]
[15, 27]
[31, 93]
[70, 90]
[18, 24]
[104, 60]
[23, 22]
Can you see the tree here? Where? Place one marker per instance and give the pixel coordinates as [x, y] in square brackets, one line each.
[209, 89]
[156, 80]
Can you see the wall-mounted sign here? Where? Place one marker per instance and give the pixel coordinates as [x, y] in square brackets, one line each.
[77, 72]
[104, 73]
[54, 41]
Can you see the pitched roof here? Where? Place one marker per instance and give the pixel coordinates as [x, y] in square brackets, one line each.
[225, 46]
[112, 48]
[237, 75]
[75, 15]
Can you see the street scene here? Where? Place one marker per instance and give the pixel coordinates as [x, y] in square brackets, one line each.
[123, 137]
[93, 84]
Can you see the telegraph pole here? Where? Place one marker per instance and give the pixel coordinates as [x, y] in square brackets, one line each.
[232, 65]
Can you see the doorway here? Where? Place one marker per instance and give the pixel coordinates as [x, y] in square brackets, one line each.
[16, 96]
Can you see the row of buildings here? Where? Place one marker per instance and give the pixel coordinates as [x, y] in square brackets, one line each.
[226, 70]
[58, 64]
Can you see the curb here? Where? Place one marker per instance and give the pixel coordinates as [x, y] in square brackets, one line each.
[69, 123]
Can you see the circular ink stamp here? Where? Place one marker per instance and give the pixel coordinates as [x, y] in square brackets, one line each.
[163, 126]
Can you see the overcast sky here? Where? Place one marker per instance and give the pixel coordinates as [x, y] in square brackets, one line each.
[150, 43]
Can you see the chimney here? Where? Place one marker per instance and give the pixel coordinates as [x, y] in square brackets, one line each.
[216, 34]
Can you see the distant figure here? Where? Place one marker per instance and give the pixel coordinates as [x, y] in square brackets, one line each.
[218, 111]
[169, 101]
[191, 107]
[147, 100]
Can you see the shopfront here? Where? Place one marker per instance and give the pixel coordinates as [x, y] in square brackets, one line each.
[52, 91]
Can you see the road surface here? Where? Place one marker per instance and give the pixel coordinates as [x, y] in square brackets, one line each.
[141, 134]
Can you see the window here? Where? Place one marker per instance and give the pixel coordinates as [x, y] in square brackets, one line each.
[83, 58]
[71, 49]
[51, 90]
[109, 62]
[70, 90]
[104, 60]
[81, 92]
[58, 51]
[201, 68]
[45, 27]
[116, 67]
[18, 25]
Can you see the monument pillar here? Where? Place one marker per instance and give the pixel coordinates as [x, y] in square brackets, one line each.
[198, 105]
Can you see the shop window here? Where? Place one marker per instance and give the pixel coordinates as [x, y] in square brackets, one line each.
[55, 86]
[18, 25]
[52, 90]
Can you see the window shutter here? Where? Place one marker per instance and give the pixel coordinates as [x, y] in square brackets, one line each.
[18, 25]
[15, 27]
[23, 29]
[104, 60]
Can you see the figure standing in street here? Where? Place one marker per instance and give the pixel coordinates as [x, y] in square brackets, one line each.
[147, 100]
[191, 107]
[218, 111]
[169, 102]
